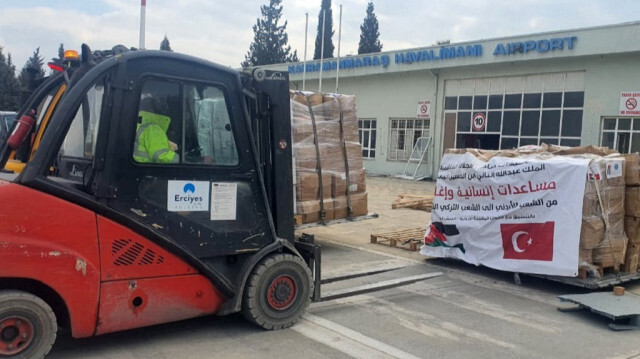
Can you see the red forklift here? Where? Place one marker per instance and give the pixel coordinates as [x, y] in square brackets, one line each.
[96, 239]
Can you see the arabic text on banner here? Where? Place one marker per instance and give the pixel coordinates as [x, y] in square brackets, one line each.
[515, 214]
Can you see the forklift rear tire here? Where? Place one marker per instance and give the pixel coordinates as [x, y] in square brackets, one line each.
[27, 325]
[278, 291]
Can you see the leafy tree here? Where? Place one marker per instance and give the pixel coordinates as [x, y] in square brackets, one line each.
[9, 86]
[270, 40]
[164, 45]
[34, 64]
[369, 34]
[328, 32]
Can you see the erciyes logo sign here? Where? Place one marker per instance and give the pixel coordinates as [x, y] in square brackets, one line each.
[187, 196]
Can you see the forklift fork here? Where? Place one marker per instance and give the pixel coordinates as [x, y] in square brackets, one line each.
[311, 253]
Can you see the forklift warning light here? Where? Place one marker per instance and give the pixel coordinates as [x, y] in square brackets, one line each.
[71, 55]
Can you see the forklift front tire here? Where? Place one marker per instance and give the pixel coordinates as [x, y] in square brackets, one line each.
[278, 291]
[27, 325]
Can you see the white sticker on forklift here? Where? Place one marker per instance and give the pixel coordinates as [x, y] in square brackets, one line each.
[224, 197]
[188, 196]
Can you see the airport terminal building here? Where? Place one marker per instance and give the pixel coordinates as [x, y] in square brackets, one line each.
[573, 87]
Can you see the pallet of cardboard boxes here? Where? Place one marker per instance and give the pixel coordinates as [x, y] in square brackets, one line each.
[329, 176]
[632, 212]
[610, 233]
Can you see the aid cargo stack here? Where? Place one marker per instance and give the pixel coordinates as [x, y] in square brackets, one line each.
[632, 212]
[610, 231]
[329, 176]
[602, 238]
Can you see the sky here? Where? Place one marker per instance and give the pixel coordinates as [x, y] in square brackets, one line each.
[221, 31]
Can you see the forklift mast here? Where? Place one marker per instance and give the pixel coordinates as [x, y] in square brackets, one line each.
[267, 97]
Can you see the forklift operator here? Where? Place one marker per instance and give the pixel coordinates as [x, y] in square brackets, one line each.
[152, 143]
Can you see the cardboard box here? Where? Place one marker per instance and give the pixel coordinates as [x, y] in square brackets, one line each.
[305, 98]
[632, 169]
[328, 132]
[632, 229]
[585, 256]
[357, 179]
[611, 251]
[308, 186]
[590, 149]
[358, 205]
[591, 232]
[305, 156]
[310, 210]
[591, 205]
[632, 201]
[354, 155]
[303, 133]
[332, 158]
[631, 258]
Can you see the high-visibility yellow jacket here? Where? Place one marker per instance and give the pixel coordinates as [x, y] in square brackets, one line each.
[152, 143]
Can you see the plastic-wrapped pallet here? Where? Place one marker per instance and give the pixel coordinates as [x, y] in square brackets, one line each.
[604, 200]
[603, 241]
[330, 177]
[632, 211]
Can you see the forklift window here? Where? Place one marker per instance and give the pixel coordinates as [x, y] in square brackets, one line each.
[81, 138]
[76, 153]
[183, 123]
[217, 145]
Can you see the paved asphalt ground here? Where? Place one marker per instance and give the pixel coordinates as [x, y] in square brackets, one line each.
[468, 312]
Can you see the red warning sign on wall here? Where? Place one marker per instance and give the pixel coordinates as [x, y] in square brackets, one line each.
[424, 109]
[630, 103]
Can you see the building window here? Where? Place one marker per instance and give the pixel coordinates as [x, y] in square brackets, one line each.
[404, 133]
[508, 112]
[367, 132]
[621, 134]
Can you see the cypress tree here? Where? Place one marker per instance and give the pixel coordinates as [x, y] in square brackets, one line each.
[164, 45]
[9, 86]
[270, 40]
[61, 51]
[328, 32]
[369, 34]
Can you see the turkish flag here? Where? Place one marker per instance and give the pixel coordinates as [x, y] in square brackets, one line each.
[530, 241]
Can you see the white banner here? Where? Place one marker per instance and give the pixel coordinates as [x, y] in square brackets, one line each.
[514, 214]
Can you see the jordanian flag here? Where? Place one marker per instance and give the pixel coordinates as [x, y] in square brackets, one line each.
[436, 235]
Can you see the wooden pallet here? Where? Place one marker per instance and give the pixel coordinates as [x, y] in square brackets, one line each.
[418, 202]
[584, 273]
[409, 239]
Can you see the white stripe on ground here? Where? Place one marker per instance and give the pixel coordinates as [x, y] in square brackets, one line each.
[416, 321]
[494, 311]
[347, 341]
